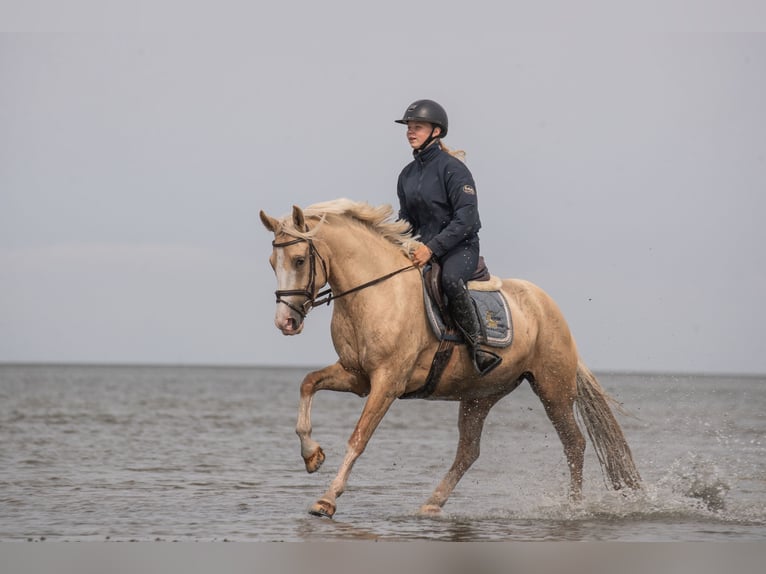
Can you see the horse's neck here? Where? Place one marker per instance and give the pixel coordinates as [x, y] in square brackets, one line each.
[376, 321]
[356, 258]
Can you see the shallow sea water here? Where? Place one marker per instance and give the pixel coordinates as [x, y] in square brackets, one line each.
[95, 453]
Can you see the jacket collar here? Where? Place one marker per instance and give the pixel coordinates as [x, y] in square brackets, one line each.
[428, 154]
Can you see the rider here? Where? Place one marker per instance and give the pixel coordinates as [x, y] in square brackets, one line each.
[437, 197]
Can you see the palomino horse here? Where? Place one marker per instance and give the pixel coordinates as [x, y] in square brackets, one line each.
[385, 345]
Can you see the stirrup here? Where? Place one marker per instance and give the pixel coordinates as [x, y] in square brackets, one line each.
[484, 361]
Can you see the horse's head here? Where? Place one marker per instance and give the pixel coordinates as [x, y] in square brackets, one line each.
[295, 261]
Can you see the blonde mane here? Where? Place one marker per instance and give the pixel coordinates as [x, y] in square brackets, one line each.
[378, 219]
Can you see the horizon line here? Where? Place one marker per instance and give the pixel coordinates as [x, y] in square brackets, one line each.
[179, 365]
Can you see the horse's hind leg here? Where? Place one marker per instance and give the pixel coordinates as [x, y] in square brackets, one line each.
[473, 413]
[557, 395]
[333, 378]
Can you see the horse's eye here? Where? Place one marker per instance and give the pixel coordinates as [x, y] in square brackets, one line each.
[299, 261]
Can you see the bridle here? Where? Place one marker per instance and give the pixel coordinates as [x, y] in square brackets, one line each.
[308, 291]
[326, 296]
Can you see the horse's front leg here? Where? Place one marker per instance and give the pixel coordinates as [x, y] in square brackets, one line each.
[333, 378]
[473, 413]
[381, 396]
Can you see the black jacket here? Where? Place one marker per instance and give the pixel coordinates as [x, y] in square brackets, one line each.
[437, 196]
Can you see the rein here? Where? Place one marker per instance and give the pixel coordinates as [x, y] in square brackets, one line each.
[326, 296]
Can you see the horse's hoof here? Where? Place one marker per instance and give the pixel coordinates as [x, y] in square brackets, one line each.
[314, 461]
[322, 508]
[430, 510]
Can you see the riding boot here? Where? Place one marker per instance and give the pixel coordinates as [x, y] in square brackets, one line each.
[464, 315]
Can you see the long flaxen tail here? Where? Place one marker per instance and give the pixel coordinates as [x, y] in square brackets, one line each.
[613, 452]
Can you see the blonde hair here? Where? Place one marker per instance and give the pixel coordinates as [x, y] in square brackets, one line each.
[458, 153]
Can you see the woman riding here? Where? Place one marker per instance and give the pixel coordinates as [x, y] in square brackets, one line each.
[437, 197]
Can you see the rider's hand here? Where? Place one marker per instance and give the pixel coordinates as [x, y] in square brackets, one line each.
[421, 256]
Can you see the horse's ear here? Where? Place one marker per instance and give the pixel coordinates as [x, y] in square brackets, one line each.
[298, 219]
[269, 222]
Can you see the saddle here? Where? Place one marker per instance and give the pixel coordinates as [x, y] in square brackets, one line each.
[491, 306]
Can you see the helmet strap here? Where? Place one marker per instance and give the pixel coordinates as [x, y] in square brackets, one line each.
[429, 139]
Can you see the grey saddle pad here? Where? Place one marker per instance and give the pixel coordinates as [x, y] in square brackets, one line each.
[494, 316]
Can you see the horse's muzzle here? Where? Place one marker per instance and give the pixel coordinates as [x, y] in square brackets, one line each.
[289, 324]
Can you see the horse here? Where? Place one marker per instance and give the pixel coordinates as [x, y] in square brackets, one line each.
[385, 346]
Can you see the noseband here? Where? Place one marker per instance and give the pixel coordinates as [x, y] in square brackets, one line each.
[326, 296]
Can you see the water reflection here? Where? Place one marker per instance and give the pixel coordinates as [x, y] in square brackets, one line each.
[446, 529]
[314, 528]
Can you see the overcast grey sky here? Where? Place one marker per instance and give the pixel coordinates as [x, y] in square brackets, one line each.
[619, 155]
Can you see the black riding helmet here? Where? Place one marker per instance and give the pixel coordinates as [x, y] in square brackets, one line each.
[426, 111]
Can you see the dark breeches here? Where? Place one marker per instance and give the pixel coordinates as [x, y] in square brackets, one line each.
[460, 263]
